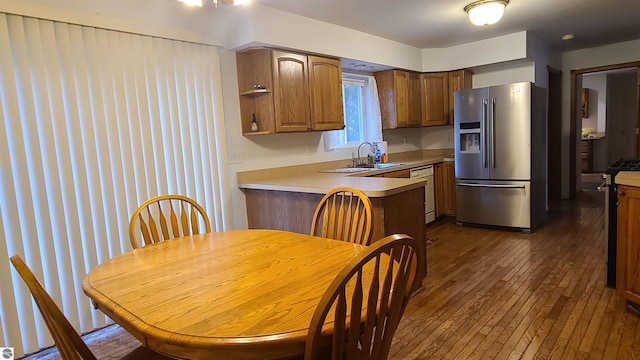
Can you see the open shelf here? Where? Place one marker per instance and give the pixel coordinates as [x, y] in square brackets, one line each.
[255, 92]
[256, 133]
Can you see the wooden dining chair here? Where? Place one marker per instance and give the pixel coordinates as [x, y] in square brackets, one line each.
[69, 343]
[366, 301]
[345, 213]
[167, 217]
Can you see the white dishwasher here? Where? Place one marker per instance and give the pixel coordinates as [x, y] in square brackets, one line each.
[426, 172]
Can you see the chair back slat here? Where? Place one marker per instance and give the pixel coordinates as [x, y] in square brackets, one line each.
[175, 225]
[185, 224]
[162, 219]
[365, 302]
[144, 229]
[167, 217]
[354, 329]
[344, 214]
[66, 337]
[195, 227]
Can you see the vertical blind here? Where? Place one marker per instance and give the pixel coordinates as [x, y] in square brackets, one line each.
[94, 122]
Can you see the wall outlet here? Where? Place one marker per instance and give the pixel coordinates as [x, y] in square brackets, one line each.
[235, 157]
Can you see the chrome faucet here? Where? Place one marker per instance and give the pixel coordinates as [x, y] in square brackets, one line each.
[373, 151]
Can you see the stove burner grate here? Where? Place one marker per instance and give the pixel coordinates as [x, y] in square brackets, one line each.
[624, 165]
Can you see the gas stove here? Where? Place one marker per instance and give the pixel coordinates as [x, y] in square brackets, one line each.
[623, 165]
[611, 212]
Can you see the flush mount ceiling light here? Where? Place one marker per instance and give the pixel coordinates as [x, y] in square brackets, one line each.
[486, 12]
[215, 2]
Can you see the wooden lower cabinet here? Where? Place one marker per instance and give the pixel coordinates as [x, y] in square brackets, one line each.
[445, 189]
[449, 188]
[586, 155]
[628, 254]
[438, 179]
[401, 213]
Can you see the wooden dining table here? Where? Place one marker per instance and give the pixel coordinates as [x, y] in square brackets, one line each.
[243, 294]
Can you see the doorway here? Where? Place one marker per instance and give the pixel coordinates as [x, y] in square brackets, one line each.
[622, 119]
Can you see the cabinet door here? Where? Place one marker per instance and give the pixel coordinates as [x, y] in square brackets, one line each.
[401, 81]
[438, 178]
[415, 100]
[291, 91]
[586, 156]
[325, 89]
[449, 188]
[458, 80]
[387, 96]
[628, 255]
[435, 99]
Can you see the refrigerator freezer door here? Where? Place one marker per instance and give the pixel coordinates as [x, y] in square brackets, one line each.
[497, 203]
[470, 133]
[510, 131]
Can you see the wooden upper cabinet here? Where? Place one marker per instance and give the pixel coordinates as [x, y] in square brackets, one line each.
[255, 70]
[458, 80]
[435, 99]
[325, 87]
[415, 100]
[288, 91]
[399, 94]
[291, 91]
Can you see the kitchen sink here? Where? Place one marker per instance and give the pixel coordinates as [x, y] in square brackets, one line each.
[387, 165]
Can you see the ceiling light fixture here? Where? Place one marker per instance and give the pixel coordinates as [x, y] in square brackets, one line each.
[215, 2]
[486, 12]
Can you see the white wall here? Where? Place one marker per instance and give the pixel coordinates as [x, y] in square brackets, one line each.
[263, 25]
[504, 73]
[169, 19]
[597, 103]
[438, 137]
[479, 53]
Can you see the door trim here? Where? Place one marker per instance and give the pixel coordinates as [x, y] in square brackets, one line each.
[573, 120]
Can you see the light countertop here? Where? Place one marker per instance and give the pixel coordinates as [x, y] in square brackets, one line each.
[321, 183]
[594, 136]
[631, 178]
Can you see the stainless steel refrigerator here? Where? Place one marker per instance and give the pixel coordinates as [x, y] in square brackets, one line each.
[501, 156]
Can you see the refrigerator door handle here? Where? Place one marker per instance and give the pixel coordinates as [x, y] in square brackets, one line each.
[493, 186]
[493, 133]
[485, 141]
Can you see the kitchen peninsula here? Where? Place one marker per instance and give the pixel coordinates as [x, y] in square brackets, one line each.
[285, 198]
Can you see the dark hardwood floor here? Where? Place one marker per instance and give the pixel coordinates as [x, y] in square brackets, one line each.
[492, 294]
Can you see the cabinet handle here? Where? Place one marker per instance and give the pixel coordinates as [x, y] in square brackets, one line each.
[621, 193]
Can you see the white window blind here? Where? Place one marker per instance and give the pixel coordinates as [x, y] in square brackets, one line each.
[94, 122]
